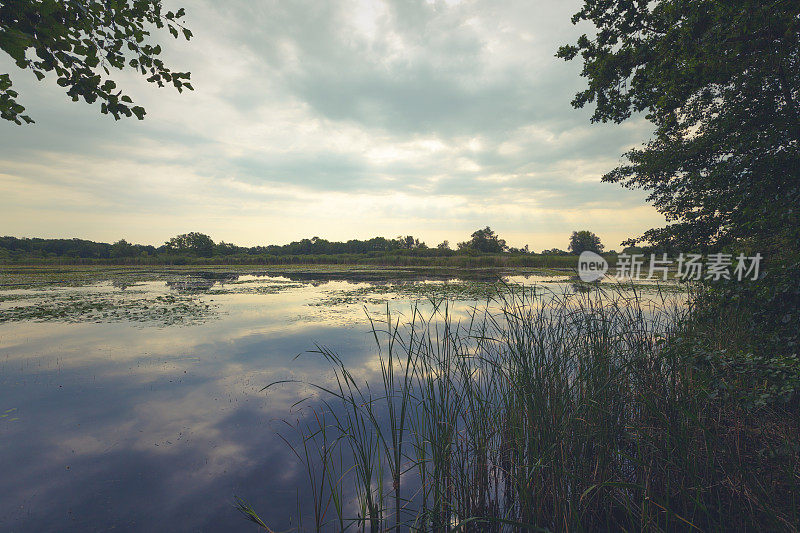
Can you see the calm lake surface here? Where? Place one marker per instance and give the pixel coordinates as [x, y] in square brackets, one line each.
[136, 404]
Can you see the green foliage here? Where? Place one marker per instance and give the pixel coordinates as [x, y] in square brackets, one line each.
[409, 242]
[554, 251]
[80, 41]
[747, 379]
[374, 251]
[194, 243]
[71, 249]
[584, 241]
[225, 248]
[766, 314]
[122, 248]
[547, 412]
[720, 81]
[484, 241]
[743, 339]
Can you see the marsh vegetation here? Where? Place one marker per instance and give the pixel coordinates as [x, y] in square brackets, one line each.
[541, 411]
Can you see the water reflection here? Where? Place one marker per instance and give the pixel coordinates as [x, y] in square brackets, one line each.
[191, 285]
[155, 425]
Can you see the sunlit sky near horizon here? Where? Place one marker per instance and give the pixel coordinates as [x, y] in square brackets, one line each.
[338, 119]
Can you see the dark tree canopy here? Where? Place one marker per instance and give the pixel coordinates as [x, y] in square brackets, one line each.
[584, 241]
[409, 242]
[194, 242]
[122, 248]
[554, 251]
[484, 240]
[80, 41]
[720, 80]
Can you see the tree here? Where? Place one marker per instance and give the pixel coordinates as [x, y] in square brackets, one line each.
[444, 245]
[554, 251]
[584, 241]
[523, 250]
[720, 81]
[80, 41]
[409, 242]
[486, 241]
[122, 248]
[195, 243]
[225, 248]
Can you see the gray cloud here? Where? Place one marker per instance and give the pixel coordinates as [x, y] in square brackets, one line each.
[457, 110]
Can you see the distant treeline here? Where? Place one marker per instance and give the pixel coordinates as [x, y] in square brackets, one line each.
[484, 248]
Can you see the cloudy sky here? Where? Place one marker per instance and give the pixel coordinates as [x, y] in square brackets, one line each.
[339, 119]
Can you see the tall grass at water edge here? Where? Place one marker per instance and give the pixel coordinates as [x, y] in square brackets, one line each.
[538, 412]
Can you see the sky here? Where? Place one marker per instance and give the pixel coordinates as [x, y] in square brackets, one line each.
[339, 119]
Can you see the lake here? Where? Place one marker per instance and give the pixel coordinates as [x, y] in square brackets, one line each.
[133, 399]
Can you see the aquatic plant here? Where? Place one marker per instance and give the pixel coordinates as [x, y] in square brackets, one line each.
[540, 411]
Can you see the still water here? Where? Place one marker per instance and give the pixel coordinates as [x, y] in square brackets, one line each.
[139, 405]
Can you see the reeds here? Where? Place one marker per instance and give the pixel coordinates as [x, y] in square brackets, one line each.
[538, 411]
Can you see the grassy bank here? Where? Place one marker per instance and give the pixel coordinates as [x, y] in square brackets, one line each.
[399, 259]
[27, 276]
[547, 412]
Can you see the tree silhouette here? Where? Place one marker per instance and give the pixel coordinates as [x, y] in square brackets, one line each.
[484, 240]
[583, 241]
[81, 41]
